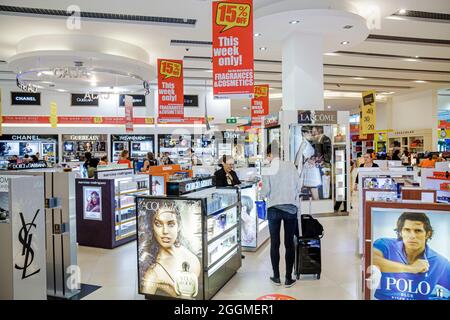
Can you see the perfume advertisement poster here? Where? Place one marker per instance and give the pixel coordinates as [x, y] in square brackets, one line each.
[248, 218]
[4, 204]
[312, 152]
[158, 185]
[92, 202]
[170, 248]
[410, 254]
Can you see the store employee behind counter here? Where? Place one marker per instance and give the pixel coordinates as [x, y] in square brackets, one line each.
[226, 176]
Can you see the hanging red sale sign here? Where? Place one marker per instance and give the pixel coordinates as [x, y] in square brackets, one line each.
[170, 89]
[260, 103]
[128, 113]
[233, 68]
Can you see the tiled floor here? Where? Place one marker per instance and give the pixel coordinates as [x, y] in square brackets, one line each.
[116, 270]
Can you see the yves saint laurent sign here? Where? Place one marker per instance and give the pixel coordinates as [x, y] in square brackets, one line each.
[317, 117]
[25, 98]
[138, 100]
[131, 138]
[25, 237]
[83, 100]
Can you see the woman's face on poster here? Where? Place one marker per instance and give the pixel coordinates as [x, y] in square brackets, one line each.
[307, 135]
[165, 228]
[94, 198]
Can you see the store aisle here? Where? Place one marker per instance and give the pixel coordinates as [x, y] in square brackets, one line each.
[116, 271]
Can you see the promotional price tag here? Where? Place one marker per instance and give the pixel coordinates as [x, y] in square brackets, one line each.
[170, 69]
[368, 112]
[149, 121]
[98, 120]
[232, 15]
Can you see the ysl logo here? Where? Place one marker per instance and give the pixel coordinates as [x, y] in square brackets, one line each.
[25, 238]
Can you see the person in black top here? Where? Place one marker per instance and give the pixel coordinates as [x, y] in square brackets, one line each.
[368, 163]
[396, 155]
[150, 161]
[226, 176]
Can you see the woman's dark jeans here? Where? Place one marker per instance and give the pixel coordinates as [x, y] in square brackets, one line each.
[275, 216]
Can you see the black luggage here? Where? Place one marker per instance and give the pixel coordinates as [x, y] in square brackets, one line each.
[308, 257]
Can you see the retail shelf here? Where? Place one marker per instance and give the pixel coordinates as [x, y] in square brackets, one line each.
[223, 210]
[131, 191]
[127, 207]
[126, 235]
[263, 224]
[125, 221]
[222, 260]
[222, 233]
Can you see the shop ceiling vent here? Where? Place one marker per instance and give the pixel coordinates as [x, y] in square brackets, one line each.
[97, 16]
[379, 37]
[190, 43]
[422, 15]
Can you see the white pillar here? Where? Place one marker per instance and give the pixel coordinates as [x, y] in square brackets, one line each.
[302, 71]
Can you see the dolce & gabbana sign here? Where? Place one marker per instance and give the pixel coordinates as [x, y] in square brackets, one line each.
[317, 117]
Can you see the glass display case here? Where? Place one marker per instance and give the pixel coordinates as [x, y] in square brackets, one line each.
[29, 144]
[106, 207]
[177, 146]
[75, 145]
[205, 241]
[137, 145]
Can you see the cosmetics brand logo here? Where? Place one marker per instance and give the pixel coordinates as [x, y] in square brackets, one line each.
[27, 252]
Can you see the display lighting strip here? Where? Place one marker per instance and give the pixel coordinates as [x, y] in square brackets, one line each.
[71, 73]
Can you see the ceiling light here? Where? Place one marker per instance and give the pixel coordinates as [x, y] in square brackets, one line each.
[208, 70]
[258, 34]
[329, 107]
[294, 21]
[331, 54]
[348, 26]
[245, 108]
[93, 84]
[47, 73]
[263, 48]
[402, 11]
[39, 74]
[410, 60]
[419, 81]
[358, 78]
[345, 42]
[417, 57]
[61, 90]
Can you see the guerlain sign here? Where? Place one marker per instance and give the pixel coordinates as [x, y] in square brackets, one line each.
[317, 117]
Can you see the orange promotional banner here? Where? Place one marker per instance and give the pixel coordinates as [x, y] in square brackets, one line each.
[233, 67]
[260, 103]
[170, 89]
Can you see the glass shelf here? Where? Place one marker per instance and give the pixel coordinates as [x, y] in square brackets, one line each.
[219, 248]
[219, 224]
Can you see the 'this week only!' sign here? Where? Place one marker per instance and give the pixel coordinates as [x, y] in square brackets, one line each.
[233, 67]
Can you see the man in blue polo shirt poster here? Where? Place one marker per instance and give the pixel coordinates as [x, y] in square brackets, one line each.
[410, 269]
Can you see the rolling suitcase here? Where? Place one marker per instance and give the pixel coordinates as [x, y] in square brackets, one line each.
[308, 247]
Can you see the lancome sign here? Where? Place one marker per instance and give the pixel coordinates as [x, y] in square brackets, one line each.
[317, 117]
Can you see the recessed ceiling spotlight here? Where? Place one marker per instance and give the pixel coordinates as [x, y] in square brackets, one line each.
[358, 78]
[329, 107]
[345, 42]
[402, 11]
[39, 74]
[294, 21]
[348, 26]
[258, 34]
[410, 60]
[417, 57]
[419, 81]
[331, 54]
[263, 48]
[61, 90]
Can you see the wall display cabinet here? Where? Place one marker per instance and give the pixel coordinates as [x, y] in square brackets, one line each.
[205, 242]
[137, 145]
[417, 141]
[29, 144]
[75, 145]
[106, 208]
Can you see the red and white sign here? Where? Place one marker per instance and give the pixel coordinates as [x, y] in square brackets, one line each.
[260, 103]
[257, 121]
[129, 113]
[170, 89]
[233, 67]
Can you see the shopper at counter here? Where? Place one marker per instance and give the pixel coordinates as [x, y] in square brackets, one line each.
[124, 159]
[149, 162]
[103, 161]
[165, 159]
[368, 163]
[428, 163]
[226, 177]
[281, 187]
